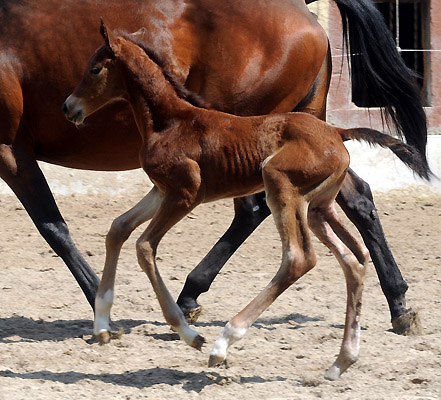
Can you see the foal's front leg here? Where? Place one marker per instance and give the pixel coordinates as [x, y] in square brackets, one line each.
[119, 232]
[249, 212]
[169, 213]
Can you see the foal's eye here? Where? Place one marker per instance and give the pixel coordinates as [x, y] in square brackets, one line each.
[96, 70]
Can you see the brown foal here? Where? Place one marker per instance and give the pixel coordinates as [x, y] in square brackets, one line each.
[195, 155]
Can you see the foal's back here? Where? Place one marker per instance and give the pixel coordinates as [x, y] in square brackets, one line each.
[231, 151]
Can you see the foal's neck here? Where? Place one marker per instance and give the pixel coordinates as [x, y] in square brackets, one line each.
[150, 93]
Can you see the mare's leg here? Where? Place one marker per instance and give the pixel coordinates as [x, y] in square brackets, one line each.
[355, 199]
[289, 210]
[249, 213]
[21, 172]
[352, 257]
[169, 213]
[119, 232]
[19, 169]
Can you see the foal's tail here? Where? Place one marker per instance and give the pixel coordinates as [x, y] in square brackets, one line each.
[408, 154]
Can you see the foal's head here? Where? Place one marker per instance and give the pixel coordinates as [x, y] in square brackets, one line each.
[101, 83]
[104, 80]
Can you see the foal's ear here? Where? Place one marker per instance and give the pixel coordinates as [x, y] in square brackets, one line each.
[109, 38]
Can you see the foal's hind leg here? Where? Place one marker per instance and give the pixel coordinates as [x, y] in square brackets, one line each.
[119, 232]
[353, 257]
[289, 210]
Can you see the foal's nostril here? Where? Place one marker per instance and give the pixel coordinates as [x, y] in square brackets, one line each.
[65, 108]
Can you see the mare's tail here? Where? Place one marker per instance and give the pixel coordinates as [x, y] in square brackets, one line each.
[381, 73]
[408, 154]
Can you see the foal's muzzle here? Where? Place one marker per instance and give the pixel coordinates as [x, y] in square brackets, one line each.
[73, 110]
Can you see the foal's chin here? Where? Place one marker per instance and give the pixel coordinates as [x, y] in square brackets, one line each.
[79, 122]
[77, 119]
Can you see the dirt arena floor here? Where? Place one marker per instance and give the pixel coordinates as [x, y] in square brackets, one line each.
[46, 345]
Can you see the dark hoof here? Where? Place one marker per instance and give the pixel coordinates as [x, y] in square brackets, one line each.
[115, 329]
[192, 315]
[198, 342]
[407, 324]
[215, 361]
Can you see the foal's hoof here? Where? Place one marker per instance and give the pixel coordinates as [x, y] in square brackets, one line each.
[215, 360]
[198, 342]
[407, 324]
[333, 373]
[192, 315]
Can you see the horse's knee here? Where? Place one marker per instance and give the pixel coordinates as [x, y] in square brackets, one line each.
[119, 232]
[355, 198]
[146, 254]
[362, 187]
[57, 235]
[354, 270]
[251, 210]
[297, 263]
[363, 257]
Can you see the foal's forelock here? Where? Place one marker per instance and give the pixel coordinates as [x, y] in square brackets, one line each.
[162, 63]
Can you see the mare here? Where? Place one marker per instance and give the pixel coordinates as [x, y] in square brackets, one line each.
[194, 155]
[278, 60]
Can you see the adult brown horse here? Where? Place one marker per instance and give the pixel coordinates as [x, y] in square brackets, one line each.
[243, 56]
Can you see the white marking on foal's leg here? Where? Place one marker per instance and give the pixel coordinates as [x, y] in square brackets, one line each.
[229, 335]
[188, 335]
[101, 325]
[346, 358]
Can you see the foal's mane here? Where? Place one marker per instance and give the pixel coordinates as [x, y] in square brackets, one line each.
[159, 60]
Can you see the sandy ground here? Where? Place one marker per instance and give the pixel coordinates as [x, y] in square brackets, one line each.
[47, 351]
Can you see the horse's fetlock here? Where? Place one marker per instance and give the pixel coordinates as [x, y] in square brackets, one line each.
[351, 356]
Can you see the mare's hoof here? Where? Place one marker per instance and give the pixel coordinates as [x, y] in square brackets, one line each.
[407, 324]
[192, 315]
[105, 336]
[215, 360]
[198, 342]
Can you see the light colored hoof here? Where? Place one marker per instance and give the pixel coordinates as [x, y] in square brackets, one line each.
[333, 373]
[407, 324]
[215, 360]
[192, 315]
[340, 365]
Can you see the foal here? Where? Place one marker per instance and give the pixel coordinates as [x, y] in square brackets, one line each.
[195, 155]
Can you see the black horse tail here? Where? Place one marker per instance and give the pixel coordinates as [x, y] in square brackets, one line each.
[407, 153]
[380, 72]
